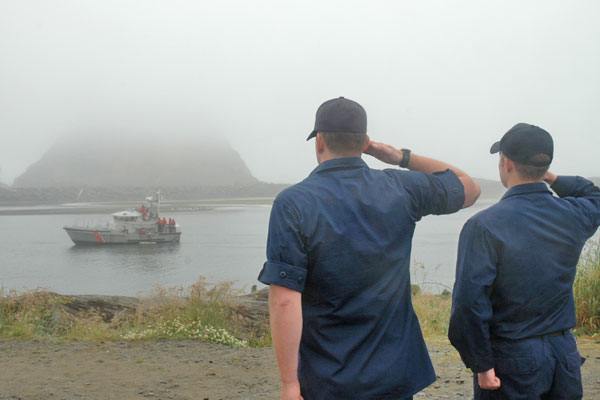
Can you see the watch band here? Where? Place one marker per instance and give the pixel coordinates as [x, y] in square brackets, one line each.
[405, 158]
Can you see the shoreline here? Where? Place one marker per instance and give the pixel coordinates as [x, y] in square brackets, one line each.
[173, 206]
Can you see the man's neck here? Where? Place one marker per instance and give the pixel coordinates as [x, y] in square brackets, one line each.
[516, 181]
[331, 156]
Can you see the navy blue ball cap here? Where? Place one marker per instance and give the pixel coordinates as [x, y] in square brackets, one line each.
[340, 115]
[523, 143]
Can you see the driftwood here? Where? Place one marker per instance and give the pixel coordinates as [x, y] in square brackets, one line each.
[106, 307]
[253, 306]
[251, 309]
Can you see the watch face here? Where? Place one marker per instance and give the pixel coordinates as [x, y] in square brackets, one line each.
[405, 158]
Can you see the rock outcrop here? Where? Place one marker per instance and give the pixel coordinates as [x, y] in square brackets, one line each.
[111, 161]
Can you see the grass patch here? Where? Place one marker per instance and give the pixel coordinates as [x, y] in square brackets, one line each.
[200, 312]
[30, 315]
[433, 312]
[587, 291]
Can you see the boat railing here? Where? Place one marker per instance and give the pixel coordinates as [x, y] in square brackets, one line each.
[93, 225]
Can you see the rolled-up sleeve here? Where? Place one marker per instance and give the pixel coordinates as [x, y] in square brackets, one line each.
[438, 193]
[287, 259]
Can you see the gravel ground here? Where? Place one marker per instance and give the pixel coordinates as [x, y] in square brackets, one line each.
[32, 370]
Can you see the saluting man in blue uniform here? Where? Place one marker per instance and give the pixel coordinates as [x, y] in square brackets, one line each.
[338, 255]
[513, 304]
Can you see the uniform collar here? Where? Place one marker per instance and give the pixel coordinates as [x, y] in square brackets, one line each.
[526, 188]
[340, 163]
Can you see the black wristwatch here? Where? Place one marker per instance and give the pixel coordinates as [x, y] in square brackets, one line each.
[405, 158]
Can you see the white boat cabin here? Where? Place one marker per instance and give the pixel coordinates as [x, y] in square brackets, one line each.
[126, 216]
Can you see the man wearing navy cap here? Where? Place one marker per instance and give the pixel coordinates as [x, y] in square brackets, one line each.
[513, 305]
[338, 256]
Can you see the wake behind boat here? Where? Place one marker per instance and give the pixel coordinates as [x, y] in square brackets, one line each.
[142, 225]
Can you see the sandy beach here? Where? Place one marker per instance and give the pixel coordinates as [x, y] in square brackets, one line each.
[36, 370]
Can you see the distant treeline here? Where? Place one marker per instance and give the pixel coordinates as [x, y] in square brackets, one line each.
[51, 196]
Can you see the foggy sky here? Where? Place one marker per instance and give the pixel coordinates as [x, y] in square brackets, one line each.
[444, 78]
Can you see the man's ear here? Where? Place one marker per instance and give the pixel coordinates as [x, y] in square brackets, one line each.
[320, 143]
[367, 143]
[509, 165]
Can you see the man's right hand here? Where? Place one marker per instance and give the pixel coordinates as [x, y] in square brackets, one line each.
[384, 152]
[290, 391]
[550, 178]
[488, 380]
[391, 155]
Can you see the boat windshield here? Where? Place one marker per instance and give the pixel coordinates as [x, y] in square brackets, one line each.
[127, 219]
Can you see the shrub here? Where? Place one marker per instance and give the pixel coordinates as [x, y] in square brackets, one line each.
[587, 290]
[201, 312]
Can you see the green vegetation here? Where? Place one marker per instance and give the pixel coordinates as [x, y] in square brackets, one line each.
[587, 291]
[433, 312]
[200, 312]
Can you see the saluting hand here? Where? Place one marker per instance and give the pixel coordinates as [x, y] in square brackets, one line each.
[550, 178]
[488, 380]
[384, 152]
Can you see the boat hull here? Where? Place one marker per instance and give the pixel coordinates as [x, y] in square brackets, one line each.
[83, 236]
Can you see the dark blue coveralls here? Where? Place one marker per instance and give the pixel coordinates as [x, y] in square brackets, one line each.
[513, 304]
[343, 238]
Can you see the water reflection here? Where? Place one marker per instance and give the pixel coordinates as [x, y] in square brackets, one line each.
[150, 248]
[146, 258]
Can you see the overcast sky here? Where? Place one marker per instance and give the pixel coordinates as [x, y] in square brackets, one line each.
[444, 78]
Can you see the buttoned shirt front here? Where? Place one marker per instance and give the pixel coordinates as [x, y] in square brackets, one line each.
[343, 238]
[516, 265]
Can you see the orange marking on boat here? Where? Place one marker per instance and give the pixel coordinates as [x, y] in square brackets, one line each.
[99, 238]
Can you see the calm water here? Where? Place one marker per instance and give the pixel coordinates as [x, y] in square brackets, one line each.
[222, 244]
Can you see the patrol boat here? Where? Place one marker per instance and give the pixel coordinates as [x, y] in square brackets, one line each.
[142, 225]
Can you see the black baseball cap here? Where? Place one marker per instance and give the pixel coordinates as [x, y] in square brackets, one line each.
[523, 142]
[340, 115]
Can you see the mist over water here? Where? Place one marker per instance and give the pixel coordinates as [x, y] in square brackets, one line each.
[443, 78]
[106, 86]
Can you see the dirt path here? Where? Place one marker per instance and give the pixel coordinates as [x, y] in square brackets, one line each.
[190, 370]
